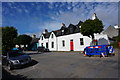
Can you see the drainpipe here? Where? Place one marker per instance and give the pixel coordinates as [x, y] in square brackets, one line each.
[56, 44]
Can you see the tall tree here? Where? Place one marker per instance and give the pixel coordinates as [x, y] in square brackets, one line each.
[23, 40]
[89, 27]
[8, 36]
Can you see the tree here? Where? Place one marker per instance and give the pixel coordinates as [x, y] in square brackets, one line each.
[89, 27]
[23, 40]
[8, 36]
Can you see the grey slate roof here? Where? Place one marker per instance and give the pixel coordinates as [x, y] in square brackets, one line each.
[111, 32]
[71, 29]
[34, 40]
[47, 35]
[80, 23]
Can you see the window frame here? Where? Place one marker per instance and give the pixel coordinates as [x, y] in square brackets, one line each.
[81, 41]
[42, 37]
[42, 44]
[46, 44]
[63, 43]
[52, 46]
[52, 36]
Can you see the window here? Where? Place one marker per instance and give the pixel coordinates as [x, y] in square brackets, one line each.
[41, 44]
[42, 37]
[81, 41]
[46, 44]
[63, 43]
[52, 36]
[52, 44]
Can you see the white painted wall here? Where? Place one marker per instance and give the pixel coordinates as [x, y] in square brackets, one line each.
[54, 39]
[44, 41]
[102, 39]
[76, 42]
[58, 45]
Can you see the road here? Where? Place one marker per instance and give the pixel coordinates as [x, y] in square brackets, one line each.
[69, 65]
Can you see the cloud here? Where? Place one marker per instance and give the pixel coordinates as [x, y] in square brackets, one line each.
[69, 7]
[107, 12]
[19, 10]
[64, 12]
[30, 34]
[51, 5]
[26, 11]
[83, 11]
[35, 33]
[51, 25]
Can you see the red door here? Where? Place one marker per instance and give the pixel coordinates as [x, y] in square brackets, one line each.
[71, 45]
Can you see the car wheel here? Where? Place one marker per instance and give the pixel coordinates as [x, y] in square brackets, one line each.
[10, 67]
[107, 55]
[89, 55]
[100, 55]
[37, 51]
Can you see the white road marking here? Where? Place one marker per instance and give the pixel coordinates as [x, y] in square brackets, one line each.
[0, 63]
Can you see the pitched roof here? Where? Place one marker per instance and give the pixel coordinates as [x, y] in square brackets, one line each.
[34, 40]
[111, 32]
[80, 23]
[46, 35]
[71, 29]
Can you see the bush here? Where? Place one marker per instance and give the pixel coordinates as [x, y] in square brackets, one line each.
[115, 44]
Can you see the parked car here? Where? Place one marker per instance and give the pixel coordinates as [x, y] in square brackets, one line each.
[15, 59]
[42, 49]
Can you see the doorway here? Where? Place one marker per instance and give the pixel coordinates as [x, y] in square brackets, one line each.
[71, 45]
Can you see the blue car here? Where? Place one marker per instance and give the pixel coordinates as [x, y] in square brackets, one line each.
[102, 50]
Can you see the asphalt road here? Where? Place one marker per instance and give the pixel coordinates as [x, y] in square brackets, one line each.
[68, 65]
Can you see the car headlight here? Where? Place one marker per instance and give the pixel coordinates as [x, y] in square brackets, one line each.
[15, 61]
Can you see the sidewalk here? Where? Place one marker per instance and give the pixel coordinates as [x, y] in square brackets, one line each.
[30, 51]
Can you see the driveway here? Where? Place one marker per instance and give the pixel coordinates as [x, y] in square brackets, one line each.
[69, 65]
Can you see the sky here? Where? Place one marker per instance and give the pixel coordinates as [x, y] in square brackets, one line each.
[33, 17]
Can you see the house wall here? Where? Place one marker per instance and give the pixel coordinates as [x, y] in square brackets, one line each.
[102, 39]
[44, 41]
[54, 39]
[111, 32]
[76, 42]
[58, 44]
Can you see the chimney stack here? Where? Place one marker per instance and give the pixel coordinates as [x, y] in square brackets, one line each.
[45, 31]
[33, 36]
[94, 16]
[63, 24]
[116, 26]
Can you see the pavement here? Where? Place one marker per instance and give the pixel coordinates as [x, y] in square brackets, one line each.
[68, 65]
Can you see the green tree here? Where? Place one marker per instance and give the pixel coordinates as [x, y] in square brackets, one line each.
[23, 40]
[8, 36]
[89, 27]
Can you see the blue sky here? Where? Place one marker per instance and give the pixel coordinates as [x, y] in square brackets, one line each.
[33, 17]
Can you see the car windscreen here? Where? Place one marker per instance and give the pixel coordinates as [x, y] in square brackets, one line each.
[15, 54]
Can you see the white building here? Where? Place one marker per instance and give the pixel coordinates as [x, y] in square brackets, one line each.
[69, 39]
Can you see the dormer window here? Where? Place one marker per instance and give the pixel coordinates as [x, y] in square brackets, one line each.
[42, 37]
[52, 36]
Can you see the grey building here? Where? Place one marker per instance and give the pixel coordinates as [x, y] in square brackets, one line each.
[111, 32]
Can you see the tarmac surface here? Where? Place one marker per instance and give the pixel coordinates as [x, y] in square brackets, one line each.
[68, 65]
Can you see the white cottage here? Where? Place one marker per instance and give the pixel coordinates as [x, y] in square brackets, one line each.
[69, 38]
